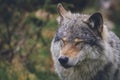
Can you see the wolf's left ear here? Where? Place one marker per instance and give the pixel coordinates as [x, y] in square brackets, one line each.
[63, 13]
[61, 10]
[95, 22]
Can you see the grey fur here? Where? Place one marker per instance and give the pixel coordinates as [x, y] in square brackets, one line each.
[98, 58]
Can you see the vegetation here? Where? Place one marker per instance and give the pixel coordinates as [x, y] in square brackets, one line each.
[26, 31]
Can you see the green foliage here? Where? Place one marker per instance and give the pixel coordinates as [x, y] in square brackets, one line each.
[51, 8]
[117, 30]
[3, 74]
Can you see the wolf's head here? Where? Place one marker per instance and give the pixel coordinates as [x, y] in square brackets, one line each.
[80, 37]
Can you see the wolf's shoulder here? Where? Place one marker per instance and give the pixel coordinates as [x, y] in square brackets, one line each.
[114, 40]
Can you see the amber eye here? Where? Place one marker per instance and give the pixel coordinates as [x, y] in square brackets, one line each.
[77, 41]
[64, 40]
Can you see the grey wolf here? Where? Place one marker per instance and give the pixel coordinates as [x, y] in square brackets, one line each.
[84, 49]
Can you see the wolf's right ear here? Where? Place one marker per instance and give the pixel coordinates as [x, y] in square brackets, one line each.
[63, 13]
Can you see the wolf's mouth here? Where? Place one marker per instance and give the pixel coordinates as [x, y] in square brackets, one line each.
[66, 66]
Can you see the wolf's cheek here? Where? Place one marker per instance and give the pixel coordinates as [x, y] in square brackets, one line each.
[55, 49]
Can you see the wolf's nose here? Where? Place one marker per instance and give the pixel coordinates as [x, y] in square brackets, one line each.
[63, 60]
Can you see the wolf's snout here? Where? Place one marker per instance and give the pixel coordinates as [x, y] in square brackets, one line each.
[63, 60]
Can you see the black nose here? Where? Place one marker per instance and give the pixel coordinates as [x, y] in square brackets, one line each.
[63, 60]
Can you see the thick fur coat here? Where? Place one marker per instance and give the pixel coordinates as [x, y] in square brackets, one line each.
[84, 49]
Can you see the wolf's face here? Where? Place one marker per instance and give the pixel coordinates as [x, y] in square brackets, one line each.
[80, 38]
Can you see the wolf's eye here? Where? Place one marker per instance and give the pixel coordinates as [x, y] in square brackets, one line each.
[64, 40]
[77, 41]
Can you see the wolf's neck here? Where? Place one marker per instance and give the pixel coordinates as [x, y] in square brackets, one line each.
[89, 69]
[85, 71]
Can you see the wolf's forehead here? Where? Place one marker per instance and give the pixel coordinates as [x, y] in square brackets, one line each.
[74, 30]
[74, 26]
[76, 18]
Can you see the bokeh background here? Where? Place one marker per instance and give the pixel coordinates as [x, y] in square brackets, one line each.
[27, 28]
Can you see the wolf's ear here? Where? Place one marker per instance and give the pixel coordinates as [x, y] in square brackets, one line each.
[61, 10]
[63, 13]
[95, 22]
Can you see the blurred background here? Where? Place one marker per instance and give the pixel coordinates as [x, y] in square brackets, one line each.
[27, 28]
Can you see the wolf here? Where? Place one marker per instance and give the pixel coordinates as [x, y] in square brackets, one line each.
[83, 48]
